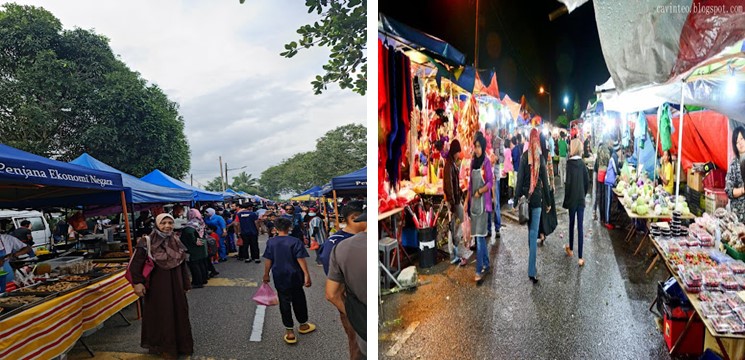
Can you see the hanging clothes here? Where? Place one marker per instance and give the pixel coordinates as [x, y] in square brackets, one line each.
[666, 129]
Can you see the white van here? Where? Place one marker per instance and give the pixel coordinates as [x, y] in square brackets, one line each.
[10, 219]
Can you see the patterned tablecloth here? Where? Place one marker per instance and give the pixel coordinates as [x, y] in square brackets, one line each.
[50, 329]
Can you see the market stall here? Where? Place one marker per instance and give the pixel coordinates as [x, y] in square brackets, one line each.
[157, 177]
[50, 328]
[354, 183]
[65, 298]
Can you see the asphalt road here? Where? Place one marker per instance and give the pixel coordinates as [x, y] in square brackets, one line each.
[596, 312]
[222, 320]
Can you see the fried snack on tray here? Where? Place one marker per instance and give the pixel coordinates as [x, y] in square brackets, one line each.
[16, 301]
[111, 270]
[75, 278]
[50, 288]
[116, 254]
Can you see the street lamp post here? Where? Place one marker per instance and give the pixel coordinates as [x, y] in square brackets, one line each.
[226, 172]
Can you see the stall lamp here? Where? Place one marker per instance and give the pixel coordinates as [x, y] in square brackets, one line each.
[545, 131]
[587, 127]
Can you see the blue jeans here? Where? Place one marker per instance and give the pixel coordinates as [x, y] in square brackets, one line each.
[497, 213]
[482, 255]
[535, 221]
[608, 200]
[223, 251]
[579, 214]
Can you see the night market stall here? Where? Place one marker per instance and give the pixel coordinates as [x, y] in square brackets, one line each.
[690, 71]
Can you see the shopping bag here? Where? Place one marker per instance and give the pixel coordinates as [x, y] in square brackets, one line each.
[523, 210]
[466, 230]
[266, 296]
[147, 268]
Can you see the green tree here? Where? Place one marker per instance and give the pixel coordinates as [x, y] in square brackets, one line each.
[246, 182]
[64, 92]
[338, 152]
[562, 121]
[343, 29]
[214, 184]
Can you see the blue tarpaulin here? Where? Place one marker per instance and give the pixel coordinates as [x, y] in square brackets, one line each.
[160, 178]
[310, 191]
[138, 192]
[354, 181]
[30, 180]
[420, 41]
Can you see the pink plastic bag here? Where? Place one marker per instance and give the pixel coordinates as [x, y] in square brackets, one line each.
[466, 227]
[266, 296]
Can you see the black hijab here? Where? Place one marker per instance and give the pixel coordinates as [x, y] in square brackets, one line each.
[478, 161]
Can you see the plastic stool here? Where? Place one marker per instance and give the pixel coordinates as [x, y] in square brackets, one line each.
[387, 246]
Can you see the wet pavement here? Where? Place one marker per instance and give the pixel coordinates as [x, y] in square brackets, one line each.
[599, 311]
[222, 318]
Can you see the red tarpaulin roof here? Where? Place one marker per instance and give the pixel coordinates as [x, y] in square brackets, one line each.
[705, 137]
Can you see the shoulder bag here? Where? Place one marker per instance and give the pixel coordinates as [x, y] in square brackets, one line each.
[147, 269]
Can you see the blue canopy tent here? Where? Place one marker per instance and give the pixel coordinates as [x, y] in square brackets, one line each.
[28, 180]
[347, 184]
[415, 39]
[33, 181]
[140, 193]
[307, 194]
[160, 178]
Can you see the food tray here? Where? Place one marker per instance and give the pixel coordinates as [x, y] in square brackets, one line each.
[719, 324]
[9, 311]
[76, 278]
[737, 267]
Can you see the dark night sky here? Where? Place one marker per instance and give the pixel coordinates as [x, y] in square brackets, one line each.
[517, 40]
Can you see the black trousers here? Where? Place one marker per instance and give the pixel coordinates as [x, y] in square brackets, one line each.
[198, 271]
[209, 266]
[251, 241]
[293, 300]
[243, 249]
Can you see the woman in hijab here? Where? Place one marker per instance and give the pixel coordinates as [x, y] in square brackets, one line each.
[166, 329]
[191, 237]
[532, 183]
[454, 197]
[479, 202]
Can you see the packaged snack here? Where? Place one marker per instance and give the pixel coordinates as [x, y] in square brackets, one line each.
[719, 324]
[708, 310]
[737, 267]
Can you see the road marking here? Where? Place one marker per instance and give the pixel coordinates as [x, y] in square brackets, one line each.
[402, 340]
[258, 327]
[232, 282]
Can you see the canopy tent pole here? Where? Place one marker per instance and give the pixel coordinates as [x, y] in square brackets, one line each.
[336, 212]
[656, 146]
[324, 204]
[126, 223]
[680, 141]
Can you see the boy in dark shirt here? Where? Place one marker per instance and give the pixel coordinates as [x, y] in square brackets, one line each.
[271, 230]
[285, 258]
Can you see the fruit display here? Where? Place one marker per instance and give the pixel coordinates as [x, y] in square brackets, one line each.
[644, 199]
[690, 257]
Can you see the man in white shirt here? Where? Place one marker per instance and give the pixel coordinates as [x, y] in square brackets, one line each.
[10, 248]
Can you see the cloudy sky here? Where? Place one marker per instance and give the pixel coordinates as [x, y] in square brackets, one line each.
[220, 61]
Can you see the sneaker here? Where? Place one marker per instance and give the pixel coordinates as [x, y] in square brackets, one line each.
[248, 261]
[257, 261]
[454, 261]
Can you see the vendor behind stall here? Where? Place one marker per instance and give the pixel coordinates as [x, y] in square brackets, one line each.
[10, 248]
[735, 186]
[23, 233]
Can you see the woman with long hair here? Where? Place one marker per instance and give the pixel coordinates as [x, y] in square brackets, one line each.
[166, 329]
[454, 198]
[735, 185]
[532, 183]
[479, 203]
[577, 186]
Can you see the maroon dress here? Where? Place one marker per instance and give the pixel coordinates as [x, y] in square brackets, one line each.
[165, 315]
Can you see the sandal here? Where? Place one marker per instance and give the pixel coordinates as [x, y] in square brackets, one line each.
[311, 328]
[581, 262]
[290, 341]
[569, 252]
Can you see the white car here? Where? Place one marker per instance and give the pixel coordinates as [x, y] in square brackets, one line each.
[11, 219]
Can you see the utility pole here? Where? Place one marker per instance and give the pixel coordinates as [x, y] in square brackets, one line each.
[192, 179]
[226, 175]
[223, 180]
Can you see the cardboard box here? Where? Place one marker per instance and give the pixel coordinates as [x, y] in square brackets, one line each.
[696, 180]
